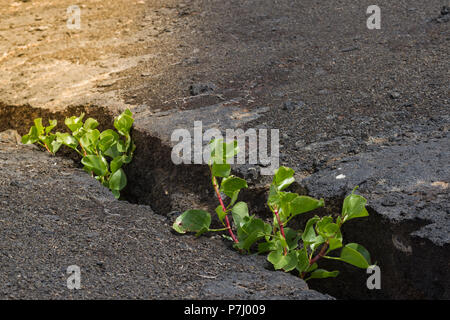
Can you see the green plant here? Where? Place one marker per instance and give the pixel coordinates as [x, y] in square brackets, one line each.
[287, 249]
[103, 153]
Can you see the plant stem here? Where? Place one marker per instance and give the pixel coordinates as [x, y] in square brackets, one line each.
[45, 146]
[275, 210]
[216, 230]
[216, 188]
[322, 252]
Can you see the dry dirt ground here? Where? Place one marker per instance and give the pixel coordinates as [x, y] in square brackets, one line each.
[366, 104]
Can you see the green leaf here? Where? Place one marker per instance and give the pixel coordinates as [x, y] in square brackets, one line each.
[116, 193]
[118, 180]
[39, 126]
[283, 177]
[354, 207]
[95, 163]
[192, 221]
[89, 140]
[302, 204]
[239, 213]
[112, 152]
[221, 151]
[334, 243]
[309, 234]
[269, 246]
[356, 255]
[322, 273]
[31, 137]
[325, 225]
[74, 123]
[221, 170]
[67, 139]
[90, 124]
[220, 213]
[53, 124]
[116, 163]
[124, 122]
[54, 145]
[317, 241]
[281, 200]
[230, 185]
[251, 231]
[284, 205]
[292, 238]
[280, 261]
[302, 260]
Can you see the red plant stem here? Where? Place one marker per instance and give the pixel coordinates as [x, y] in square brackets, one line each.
[216, 188]
[275, 210]
[46, 147]
[320, 254]
[317, 257]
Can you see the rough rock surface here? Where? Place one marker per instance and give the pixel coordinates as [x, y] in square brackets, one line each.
[54, 215]
[408, 231]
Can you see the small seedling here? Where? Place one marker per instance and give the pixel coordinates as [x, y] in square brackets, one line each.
[287, 249]
[103, 153]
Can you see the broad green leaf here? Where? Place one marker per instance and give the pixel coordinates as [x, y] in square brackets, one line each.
[354, 207]
[109, 132]
[356, 255]
[281, 201]
[326, 228]
[31, 137]
[292, 238]
[112, 152]
[38, 124]
[239, 212]
[317, 241]
[192, 221]
[280, 261]
[124, 122]
[302, 260]
[334, 243]
[116, 163]
[121, 146]
[106, 142]
[74, 123]
[322, 273]
[90, 124]
[67, 139]
[309, 234]
[221, 170]
[283, 177]
[230, 185]
[54, 146]
[274, 197]
[89, 140]
[51, 142]
[221, 151]
[302, 204]
[269, 246]
[118, 180]
[251, 231]
[116, 193]
[53, 124]
[97, 164]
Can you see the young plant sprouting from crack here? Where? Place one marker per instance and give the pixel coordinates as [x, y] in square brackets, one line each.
[103, 153]
[287, 249]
